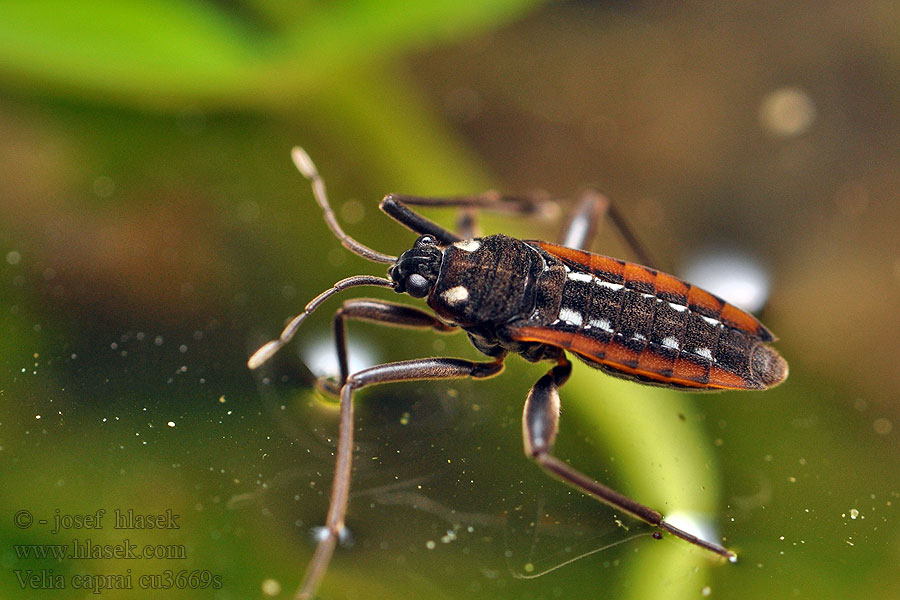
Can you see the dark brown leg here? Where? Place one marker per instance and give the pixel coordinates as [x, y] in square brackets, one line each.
[375, 311]
[426, 368]
[536, 204]
[540, 421]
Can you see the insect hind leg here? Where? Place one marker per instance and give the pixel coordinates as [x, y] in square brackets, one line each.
[540, 421]
[581, 225]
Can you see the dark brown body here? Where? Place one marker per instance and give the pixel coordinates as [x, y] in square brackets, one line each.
[538, 299]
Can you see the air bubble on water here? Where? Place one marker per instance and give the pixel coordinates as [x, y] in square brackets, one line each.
[321, 357]
[736, 277]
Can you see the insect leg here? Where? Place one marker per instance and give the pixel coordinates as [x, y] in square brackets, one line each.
[410, 370]
[581, 226]
[376, 311]
[540, 421]
[394, 207]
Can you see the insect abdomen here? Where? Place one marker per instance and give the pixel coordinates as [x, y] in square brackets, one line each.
[638, 323]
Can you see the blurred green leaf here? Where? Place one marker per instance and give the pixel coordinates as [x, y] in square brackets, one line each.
[168, 53]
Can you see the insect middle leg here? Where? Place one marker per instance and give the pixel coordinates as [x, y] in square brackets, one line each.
[540, 421]
[581, 226]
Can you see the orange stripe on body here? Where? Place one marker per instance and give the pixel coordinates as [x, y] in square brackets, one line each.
[685, 373]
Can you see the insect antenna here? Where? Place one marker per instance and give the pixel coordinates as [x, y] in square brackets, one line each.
[270, 348]
[308, 169]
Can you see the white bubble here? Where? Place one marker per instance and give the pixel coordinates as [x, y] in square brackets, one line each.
[735, 277]
[787, 112]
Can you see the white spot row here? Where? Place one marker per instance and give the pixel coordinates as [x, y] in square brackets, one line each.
[573, 317]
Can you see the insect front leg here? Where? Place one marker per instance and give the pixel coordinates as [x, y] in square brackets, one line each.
[410, 370]
[540, 421]
[374, 311]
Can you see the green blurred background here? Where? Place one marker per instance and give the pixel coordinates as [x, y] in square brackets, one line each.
[153, 233]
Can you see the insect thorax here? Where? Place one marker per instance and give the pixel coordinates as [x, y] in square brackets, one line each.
[488, 281]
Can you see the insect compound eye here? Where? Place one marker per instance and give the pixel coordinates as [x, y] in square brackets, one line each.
[417, 286]
[425, 240]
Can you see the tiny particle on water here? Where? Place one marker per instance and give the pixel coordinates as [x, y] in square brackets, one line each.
[706, 591]
[270, 587]
[430, 544]
[854, 513]
[222, 399]
[171, 423]
[182, 348]
[13, 257]
[657, 535]
[404, 418]
[158, 340]
[528, 567]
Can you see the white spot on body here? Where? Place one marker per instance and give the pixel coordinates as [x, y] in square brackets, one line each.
[576, 276]
[570, 315]
[671, 342]
[704, 352]
[601, 324]
[455, 295]
[468, 245]
[678, 307]
[640, 336]
[711, 321]
[608, 284]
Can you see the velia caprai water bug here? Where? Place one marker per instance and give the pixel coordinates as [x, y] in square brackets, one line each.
[538, 300]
